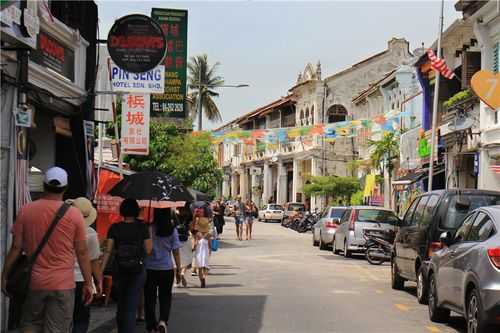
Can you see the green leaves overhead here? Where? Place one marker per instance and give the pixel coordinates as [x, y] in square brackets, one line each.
[337, 187]
[188, 158]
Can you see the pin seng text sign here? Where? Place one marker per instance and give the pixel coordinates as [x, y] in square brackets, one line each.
[136, 43]
[172, 103]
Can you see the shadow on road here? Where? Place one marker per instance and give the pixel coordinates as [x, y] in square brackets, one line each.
[217, 314]
[227, 245]
[223, 285]
[222, 274]
[224, 267]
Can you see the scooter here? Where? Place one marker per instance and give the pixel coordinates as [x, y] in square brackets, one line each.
[303, 222]
[378, 245]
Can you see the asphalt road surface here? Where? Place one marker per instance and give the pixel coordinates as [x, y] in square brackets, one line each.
[278, 282]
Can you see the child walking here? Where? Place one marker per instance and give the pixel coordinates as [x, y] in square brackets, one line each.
[203, 249]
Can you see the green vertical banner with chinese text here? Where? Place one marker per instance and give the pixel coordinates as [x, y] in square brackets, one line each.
[172, 103]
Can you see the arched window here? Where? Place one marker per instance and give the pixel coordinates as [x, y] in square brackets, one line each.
[306, 120]
[301, 115]
[312, 114]
[336, 113]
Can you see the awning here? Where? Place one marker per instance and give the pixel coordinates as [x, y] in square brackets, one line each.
[413, 177]
[410, 178]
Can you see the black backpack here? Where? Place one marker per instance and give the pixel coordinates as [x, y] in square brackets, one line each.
[129, 255]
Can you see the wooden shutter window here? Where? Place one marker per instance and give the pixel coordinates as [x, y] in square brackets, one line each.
[471, 63]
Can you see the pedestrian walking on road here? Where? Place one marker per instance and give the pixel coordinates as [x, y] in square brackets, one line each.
[203, 250]
[248, 218]
[250, 214]
[51, 294]
[130, 241]
[184, 217]
[219, 210]
[81, 313]
[239, 217]
[160, 270]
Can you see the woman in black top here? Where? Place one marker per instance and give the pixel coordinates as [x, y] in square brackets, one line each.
[131, 242]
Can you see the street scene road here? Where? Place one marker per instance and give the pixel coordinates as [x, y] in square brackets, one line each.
[250, 166]
[279, 282]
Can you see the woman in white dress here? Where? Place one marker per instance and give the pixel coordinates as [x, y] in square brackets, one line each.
[203, 249]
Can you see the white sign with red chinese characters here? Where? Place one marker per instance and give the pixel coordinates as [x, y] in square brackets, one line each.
[135, 124]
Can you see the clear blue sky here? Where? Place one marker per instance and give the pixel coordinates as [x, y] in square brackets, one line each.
[266, 44]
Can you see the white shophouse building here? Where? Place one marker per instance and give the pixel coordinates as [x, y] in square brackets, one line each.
[278, 175]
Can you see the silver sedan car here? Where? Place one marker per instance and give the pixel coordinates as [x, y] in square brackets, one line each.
[326, 226]
[464, 276]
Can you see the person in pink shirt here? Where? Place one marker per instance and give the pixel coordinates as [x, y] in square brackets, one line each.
[50, 300]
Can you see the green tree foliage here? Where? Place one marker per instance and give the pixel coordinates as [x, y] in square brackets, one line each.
[333, 186]
[357, 198]
[188, 158]
[386, 148]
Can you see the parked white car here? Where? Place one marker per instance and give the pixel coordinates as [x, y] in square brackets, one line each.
[271, 212]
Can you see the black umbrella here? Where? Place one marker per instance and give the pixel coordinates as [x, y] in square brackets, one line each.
[158, 189]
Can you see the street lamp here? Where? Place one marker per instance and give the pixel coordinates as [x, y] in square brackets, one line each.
[200, 86]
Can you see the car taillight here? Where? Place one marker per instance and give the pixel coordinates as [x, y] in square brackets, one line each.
[433, 247]
[330, 225]
[494, 255]
[353, 220]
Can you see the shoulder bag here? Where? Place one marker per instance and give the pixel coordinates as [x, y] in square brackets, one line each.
[18, 280]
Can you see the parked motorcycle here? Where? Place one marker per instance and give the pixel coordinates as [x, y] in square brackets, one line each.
[303, 222]
[378, 245]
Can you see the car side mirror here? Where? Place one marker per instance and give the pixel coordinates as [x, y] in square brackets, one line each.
[446, 238]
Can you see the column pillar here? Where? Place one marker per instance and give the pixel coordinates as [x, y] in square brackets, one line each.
[234, 185]
[281, 184]
[243, 184]
[316, 200]
[226, 186]
[266, 188]
[297, 181]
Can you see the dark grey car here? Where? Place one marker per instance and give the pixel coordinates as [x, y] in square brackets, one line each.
[464, 276]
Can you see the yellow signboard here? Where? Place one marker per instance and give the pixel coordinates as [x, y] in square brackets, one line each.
[486, 85]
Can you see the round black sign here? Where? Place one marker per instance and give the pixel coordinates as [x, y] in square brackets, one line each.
[136, 43]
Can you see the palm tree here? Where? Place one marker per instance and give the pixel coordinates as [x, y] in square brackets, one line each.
[204, 78]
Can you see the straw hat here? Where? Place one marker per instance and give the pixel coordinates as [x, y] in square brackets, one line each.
[203, 224]
[85, 207]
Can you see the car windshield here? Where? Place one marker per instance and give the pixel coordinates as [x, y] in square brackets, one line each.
[336, 213]
[460, 205]
[296, 207]
[377, 216]
[275, 207]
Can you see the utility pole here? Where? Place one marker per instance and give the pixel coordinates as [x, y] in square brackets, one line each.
[323, 148]
[436, 102]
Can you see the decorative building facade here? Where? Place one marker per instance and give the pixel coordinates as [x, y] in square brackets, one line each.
[278, 173]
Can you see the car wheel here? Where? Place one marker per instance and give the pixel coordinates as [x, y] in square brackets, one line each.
[322, 245]
[422, 292]
[436, 313]
[397, 282]
[334, 246]
[474, 314]
[347, 253]
[315, 242]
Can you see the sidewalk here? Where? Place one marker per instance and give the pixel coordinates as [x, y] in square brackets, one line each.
[102, 318]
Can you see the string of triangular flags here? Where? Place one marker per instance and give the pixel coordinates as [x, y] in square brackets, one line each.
[389, 122]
